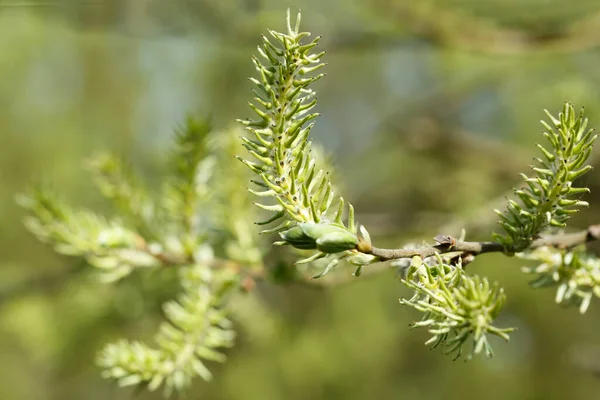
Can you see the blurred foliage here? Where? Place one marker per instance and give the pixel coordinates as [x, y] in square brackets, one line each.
[430, 110]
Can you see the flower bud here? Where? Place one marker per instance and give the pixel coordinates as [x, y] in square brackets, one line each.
[327, 238]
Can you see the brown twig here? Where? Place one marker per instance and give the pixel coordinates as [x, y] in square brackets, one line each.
[448, 244]
[165, 258]
[445, 244]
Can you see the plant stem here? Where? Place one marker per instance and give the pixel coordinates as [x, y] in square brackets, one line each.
[451, 245]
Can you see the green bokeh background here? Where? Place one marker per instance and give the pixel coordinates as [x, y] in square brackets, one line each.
[430, 109]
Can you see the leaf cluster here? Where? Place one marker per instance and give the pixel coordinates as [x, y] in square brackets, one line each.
[175, 230]
[196, 328]
[108, 245]
[281, 148]
[574, 272]
[550, 197]
[458, 309]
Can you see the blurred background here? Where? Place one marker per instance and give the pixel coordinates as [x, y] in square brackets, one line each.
[430, 110]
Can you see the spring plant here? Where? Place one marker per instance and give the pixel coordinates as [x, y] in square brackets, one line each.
[200, 224]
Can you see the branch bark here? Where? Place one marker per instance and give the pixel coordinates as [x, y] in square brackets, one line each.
[448, 244]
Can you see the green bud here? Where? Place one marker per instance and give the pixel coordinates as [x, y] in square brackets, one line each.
[336, 242]
[298, 238]
[327, 238]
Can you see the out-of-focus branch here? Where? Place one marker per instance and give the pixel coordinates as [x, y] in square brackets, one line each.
[165, 258]
[450, 28]
[447, 27]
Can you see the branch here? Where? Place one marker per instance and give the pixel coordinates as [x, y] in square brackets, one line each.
[167, 259]
[474, 248]
[448, 244]
[438, 25]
